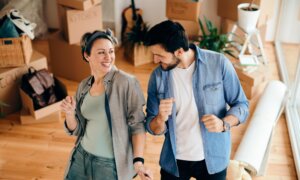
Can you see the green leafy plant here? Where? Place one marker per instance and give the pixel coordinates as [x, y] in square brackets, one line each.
[137, 34]
[214, 40]
[2, 104]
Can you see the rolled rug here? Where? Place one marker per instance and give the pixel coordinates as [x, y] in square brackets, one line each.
[254, 148]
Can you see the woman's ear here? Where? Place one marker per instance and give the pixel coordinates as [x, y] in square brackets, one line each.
[86, 56]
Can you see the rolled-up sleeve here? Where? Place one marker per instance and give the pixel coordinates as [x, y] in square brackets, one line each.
[136, 101]
[234, 94]
[152, 104]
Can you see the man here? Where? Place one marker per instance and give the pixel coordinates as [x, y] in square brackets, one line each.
[187, 101]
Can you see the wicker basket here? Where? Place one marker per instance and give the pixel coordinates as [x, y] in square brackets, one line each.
[15, 51]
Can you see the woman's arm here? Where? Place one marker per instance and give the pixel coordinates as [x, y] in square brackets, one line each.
[138, 143]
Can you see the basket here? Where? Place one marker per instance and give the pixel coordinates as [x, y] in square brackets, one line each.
[15, 51]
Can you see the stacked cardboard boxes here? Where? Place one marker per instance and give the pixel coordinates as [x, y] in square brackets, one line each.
[186, 13]
[76, 18]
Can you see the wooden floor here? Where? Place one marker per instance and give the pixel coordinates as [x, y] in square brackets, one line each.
[41, 151]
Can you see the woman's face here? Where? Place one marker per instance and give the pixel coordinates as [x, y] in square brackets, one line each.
[102, 56]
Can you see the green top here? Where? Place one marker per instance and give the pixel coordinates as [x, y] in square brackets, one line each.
[97, 139]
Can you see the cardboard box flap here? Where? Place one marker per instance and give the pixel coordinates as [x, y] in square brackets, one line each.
[27, 118]
[79, 4]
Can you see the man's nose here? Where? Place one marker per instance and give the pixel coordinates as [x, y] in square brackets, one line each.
[156, 59]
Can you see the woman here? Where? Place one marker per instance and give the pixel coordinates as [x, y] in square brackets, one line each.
[107, 116]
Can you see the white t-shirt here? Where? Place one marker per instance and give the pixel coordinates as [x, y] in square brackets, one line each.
[189, 144]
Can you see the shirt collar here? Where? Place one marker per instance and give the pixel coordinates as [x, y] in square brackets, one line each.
[107, 78]
[198, 53]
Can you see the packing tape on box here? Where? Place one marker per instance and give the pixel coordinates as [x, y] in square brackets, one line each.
[255, 145]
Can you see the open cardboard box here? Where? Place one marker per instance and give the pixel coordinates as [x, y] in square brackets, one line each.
[61, 93]
[10, 79]
[27, 118]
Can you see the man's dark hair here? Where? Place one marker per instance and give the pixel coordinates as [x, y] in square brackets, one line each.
[171, 35]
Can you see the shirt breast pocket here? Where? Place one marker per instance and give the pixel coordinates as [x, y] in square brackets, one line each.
[213, 93]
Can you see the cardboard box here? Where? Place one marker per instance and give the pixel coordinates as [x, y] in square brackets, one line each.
[10, 79]
[27, 118]
[248, 90]
[228, 9]
[79, 4]
[75, 23]
[66, 59]
[252, 78]
[142, 55]
[192, 28]
[60, 92]
[15, 51]
[183, 10]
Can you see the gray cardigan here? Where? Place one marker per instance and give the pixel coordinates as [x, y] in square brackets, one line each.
[126, 101]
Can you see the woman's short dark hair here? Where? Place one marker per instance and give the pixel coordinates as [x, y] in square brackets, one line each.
[88, 40]
[171, 35]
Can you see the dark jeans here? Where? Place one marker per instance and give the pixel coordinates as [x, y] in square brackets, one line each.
[86, 166]
[196, 169]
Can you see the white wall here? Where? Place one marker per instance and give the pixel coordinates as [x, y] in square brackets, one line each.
[290, 22]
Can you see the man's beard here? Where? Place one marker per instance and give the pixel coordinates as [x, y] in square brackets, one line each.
[171, 66]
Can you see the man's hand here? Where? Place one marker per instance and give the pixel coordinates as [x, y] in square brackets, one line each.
[165, 109]
[212, 123]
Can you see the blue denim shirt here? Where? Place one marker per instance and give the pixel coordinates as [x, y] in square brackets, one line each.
[215, 85]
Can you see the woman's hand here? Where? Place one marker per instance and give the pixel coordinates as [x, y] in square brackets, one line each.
[144, 173]
[68, 106]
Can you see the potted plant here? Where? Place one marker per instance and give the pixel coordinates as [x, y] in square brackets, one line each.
[248, 14]
[134, 48]
[213, 39]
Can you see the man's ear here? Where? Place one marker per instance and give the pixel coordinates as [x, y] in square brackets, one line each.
[179, 52]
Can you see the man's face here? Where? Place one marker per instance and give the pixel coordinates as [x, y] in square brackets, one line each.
[166, 59]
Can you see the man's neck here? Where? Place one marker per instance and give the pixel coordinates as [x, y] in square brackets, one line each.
[187, 59]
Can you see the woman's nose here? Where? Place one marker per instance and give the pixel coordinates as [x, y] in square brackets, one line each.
[107, 55]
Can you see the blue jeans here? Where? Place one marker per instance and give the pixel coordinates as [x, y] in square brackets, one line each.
[196, 169]
[86, 166]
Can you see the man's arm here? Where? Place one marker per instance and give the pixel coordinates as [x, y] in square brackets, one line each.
[234, 94]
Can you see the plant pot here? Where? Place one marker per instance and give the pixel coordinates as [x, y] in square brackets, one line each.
[247, 19]
[141, 55]
[137, 54]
